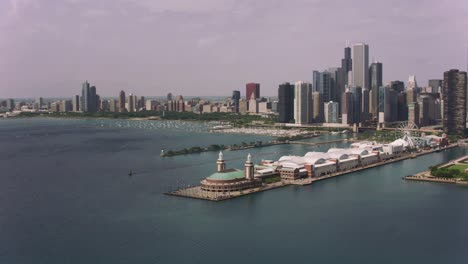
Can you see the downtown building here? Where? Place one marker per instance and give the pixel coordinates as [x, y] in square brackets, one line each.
[454, 102]
[360, 76]
[252, 89]
[89, 99]
[376, 81]
[330, 110]
[302, 102]
[286, 102]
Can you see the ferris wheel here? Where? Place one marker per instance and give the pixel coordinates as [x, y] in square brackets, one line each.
[409, 132]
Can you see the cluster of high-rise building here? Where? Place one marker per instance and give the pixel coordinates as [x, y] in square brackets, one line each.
[354, 94]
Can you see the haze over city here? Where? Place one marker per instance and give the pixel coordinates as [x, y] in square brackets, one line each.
[211, 47]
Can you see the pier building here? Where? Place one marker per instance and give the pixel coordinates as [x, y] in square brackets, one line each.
[229, 180]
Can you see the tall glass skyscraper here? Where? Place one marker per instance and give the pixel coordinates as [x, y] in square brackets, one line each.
[376, 81]
[286, 102]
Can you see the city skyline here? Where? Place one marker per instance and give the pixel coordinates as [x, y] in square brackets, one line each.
[199, 48]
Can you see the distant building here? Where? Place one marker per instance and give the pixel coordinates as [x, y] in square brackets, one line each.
[347, 108]
[236, 96]
[397, 86]
[252, 89]
[454, 96]
[122, 102]
[243, 106]
[413, 112]
[10, 104]
[66, 106]
[132, 101]
[412, 83]
[346, 66]
[302, 102]
[286, 102]
[169, 97]
[357, 103]
[113, 105]
[402, 107]
[150, 105]
[331, 112]
[39, 102]
[179, 104]
[317, 107]
[435, 85]
[104, 106]
[361, 66]
[376, 81]
[89, 100]
[388, 104]
[253, 104]
[76, 103]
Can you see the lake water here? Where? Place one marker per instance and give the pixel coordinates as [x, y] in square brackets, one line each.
[65, 197]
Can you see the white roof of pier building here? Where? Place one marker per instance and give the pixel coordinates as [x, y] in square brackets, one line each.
[292, 161]
[339, 155]
[314, 160]
[399, 142]
[363, 144]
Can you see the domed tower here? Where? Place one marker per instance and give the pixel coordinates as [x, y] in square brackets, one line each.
[220, 162]
[249, 168]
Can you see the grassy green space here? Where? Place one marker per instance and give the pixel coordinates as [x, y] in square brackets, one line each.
[459, 167]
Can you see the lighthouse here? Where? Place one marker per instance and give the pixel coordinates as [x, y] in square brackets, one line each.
[220, 162]
[249, 168]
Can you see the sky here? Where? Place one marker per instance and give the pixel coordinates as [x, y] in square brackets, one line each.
[211, 47]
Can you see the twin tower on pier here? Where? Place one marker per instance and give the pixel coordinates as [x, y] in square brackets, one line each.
[229, 180]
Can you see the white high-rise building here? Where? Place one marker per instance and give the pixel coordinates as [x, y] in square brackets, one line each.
[331, 112]
[302, 102]
[361, 66]
[412, 84]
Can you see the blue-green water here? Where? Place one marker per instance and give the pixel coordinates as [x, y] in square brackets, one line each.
[65, 197]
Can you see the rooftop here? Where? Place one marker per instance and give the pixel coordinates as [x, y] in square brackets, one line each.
[227, 175]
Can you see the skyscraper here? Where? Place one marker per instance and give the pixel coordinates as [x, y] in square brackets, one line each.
[302, 95]
[388, 104]
[10, 104]
[347, 107]
[89, 102]
[286, 102]
[376, 81]
[330, 110]
[347, 62]
[122, 102]
[413, 112]
[412, 83]
[317, 107]
[360, 66]
[76, 103]
[131, 103]
[236, 96]
[252, 88]
[397, 86]
[454, 96]
[357, 103]
[327, 82]
[435, 84]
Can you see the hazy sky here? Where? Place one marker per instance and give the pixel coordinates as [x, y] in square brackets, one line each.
[211, 47]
